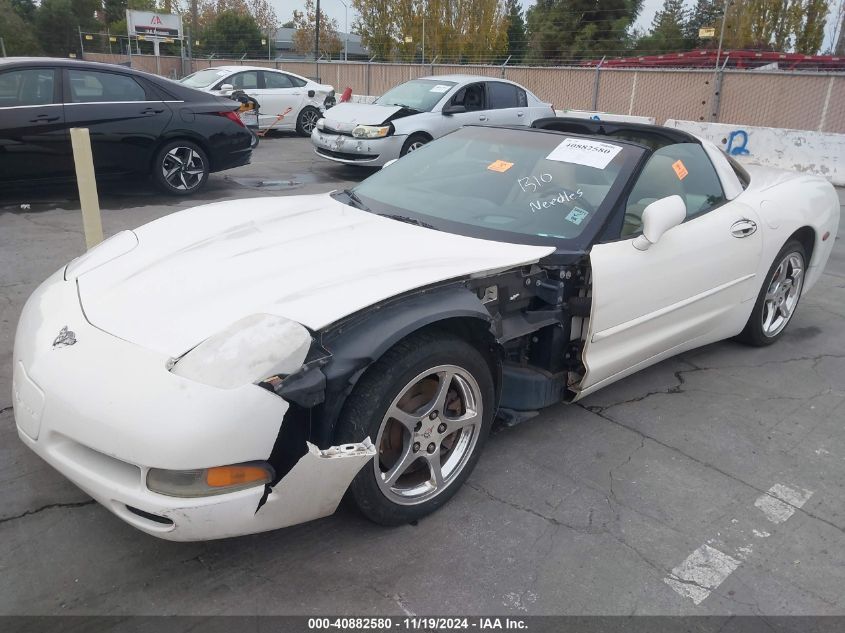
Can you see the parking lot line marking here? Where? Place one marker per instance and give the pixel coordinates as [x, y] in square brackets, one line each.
[781, 502]
[707, 568]
[701, 572]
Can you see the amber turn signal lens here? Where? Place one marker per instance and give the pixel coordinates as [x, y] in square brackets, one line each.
[226, 476]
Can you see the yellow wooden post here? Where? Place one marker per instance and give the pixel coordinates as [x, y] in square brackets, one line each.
[84, 161]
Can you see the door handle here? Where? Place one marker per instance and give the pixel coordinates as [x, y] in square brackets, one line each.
[482, 118]
[44, 118]
[520, 114]
[152, 111]
[743, 228]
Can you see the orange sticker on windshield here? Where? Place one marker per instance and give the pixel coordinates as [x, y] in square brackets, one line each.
[499, 165]
[680, 169]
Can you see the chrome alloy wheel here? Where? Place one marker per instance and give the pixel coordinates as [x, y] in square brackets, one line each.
[428, 434]
[183, 168]
[783, 294]
[415, 146]
[308, 120]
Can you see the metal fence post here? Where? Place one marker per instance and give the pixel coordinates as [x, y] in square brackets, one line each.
[505, 64]
[596, 85]
[717, 92]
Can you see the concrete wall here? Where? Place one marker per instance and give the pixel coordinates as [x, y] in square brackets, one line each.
[796, 150]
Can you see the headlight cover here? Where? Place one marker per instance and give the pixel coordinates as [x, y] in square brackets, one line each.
[202, 482]
[246, 352]
[321, 123]
[370, 131]
[104, 252]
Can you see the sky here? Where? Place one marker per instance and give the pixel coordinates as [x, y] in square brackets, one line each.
[334, 9]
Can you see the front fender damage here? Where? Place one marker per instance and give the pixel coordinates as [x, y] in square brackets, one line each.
[312, 489]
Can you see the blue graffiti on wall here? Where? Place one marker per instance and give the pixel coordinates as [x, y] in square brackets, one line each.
[741, 148]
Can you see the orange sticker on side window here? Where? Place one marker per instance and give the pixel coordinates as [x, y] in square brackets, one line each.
[680, 169]
[499, 165]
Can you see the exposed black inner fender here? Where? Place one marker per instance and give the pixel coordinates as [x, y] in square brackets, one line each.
[290, 442]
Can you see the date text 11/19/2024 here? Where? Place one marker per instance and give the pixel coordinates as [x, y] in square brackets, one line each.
[417, 623]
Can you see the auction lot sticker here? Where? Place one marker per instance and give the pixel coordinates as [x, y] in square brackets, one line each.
[584, 152]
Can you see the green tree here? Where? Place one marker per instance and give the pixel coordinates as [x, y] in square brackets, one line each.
[667, 30]
[517, 35]
[18, 33]
[780, 25]
[571, 30]
[809, 35]
[232, 33]
[376, 27]
[705, 14]
[56, 23]
[306, 27]
[24, 8]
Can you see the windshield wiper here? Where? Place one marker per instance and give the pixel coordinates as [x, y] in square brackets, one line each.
[353, 197]
[407, 107]
[407, 220]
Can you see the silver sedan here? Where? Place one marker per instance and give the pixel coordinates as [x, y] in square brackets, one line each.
[418, 111]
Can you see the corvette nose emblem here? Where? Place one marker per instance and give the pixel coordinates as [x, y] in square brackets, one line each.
[65, 338]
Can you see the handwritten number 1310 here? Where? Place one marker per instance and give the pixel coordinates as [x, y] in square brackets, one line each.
[532, 183]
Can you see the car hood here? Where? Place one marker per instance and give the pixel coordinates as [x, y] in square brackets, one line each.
[345, 116]
[310, 259]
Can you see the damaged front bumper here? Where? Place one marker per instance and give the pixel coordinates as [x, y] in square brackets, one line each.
[103, 411]
[357, 151]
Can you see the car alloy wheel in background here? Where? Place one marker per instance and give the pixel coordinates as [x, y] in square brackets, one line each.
[307, 121]
[782, 294]
[181, 168]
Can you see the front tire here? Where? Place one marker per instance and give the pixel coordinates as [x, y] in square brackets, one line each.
[414, 142]
[306, 121]
[181, 168]
[428, 405]
[778, 298]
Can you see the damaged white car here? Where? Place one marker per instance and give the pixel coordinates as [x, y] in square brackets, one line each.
[416, 112]
[237, 367]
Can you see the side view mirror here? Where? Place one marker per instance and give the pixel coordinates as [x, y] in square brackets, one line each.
[658, 217]
[451, 109]
[227, 88]
[389, 163]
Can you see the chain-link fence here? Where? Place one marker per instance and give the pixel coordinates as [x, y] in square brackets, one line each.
[793, 99]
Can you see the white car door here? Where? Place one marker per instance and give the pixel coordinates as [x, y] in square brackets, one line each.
[694, 286]
[507, 104]
[276, 94]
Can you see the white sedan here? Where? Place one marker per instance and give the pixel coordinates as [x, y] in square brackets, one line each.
[275, 91]
[237, 367]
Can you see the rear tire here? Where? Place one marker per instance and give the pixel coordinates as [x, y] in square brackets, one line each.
[778, 298]
[440, 390]
[180, 168]
[306, 121]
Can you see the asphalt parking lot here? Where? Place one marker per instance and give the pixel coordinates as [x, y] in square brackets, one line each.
[599, 508]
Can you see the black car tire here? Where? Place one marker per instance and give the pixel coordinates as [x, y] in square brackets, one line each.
[386, 383]
[181, 168]
[755, 332]
[413, 143]
[306, 120]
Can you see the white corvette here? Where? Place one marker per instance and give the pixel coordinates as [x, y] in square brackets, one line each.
[238, 367]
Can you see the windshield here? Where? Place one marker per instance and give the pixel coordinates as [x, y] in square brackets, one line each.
[419, 94]
[204, 78]
[522, 186]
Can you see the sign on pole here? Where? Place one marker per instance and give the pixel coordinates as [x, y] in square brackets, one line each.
[705, 33]
[154, 24]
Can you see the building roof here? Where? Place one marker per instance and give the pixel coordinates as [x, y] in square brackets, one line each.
[283, 40]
